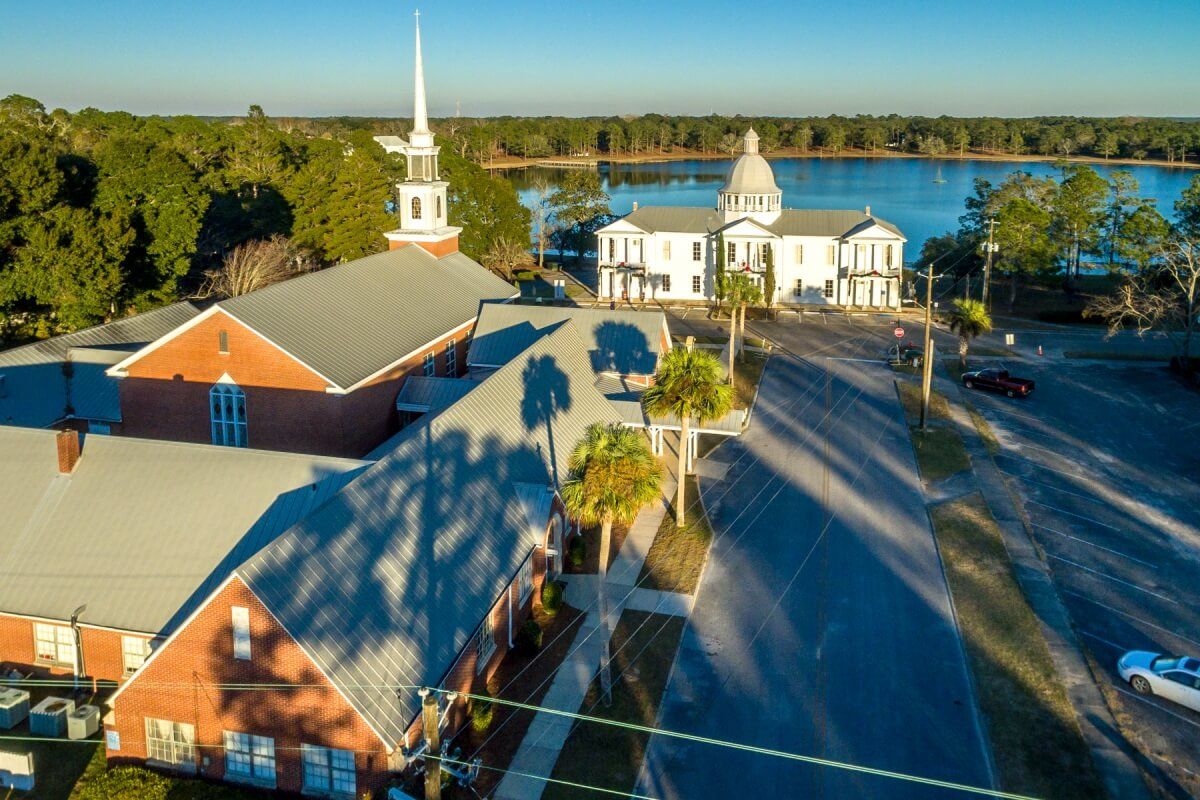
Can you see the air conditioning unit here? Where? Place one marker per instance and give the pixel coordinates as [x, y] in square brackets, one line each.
[83, 722]
[14, 707]
[49, 717]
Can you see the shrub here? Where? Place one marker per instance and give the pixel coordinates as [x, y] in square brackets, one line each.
[136, 783]
[577, 552]
[482, 712]
[529, 637]
[552, 592]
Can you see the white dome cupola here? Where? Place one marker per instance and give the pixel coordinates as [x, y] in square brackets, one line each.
[750, 189]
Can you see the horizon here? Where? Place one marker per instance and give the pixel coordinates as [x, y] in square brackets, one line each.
[298, 60]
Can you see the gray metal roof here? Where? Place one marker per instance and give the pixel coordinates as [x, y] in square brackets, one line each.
[625, 342]
[142, 530]
[389, 581]
[791, 221]
[352, 320]
[36, 391]
[432, 394]
[626, 400]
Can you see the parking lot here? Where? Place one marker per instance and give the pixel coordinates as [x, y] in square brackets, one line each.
[1104, 460]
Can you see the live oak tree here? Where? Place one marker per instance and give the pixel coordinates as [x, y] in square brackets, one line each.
[580, 207]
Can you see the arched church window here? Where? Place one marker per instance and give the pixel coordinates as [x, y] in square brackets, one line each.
[416, 208]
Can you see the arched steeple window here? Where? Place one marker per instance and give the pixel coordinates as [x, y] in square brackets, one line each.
[416, 208]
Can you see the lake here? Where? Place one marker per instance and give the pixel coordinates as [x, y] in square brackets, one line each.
[901, 190]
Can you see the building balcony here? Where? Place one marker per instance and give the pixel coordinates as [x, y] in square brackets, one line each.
[623, 266]
[873, 272]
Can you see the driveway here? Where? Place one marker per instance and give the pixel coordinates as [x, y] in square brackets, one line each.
[822, 625]
[1105, 459]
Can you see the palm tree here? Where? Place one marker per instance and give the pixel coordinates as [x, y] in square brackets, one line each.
[613, 476]
[968, 318]
[688, 385]
[740, 291]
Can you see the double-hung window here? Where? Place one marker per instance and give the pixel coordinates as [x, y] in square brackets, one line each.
[831, 254]
[732, 248]
[666, 283]
[250, 758]
[429, 367]
[765, 250]
[525, 579]
[799, 254]
[828, 289]
[134, 652]
[227, 415]
[451, 358]
[697, 251]
[328, 771]
[485, 642]
[799, 290]
[666, 250]
[171, 743]
[696, 288]
[54, 645]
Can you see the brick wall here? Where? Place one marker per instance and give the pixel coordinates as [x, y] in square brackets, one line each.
[102, 653]
[165, 395]
[179, 685]
[438, 249]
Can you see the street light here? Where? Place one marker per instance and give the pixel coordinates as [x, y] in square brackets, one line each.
[75, 615]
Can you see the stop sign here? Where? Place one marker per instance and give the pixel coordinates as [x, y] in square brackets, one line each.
[899, 333]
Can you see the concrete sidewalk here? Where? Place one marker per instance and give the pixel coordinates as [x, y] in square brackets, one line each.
[547, 734]
[1113, 757]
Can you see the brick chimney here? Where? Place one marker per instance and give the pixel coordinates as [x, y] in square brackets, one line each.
[68, 451]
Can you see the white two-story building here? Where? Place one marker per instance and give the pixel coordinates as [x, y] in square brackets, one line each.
[843, 258]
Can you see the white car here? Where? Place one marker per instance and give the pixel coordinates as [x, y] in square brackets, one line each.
[1174, 678]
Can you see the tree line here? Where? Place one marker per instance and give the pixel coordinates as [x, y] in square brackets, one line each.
[485, 139]
[104, 213]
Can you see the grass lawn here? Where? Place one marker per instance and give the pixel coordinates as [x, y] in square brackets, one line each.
[643, 647]
[985, 430]
[748, 370]
[677, 554]
[1037, 744]
[940, 452]
[910, 397]
[514, 682]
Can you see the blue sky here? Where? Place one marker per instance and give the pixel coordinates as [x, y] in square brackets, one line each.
[769, 57]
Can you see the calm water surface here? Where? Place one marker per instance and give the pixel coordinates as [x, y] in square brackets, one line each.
[901, 190]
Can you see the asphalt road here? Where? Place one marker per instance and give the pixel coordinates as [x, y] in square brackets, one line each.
[822, 625]
[1105, 458]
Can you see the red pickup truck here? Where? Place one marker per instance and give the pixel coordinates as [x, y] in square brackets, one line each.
[998, 380]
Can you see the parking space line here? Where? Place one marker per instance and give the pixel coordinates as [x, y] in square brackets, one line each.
[1152, 704]
[1050, 486]
[1120, 647]
[1095, 602]
[1093, 544]
[1111, 578]
[1040, 465]
[999, 409]
[1073, 514]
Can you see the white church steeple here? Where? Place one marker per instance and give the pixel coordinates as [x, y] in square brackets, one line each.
[421, 196]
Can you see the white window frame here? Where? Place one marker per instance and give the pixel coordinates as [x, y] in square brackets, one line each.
[414, 209]
[429, 365]
[328, 771]
[175, 746]
[666, 249]
[697, 284]
[831, 254]
[227, 415]
[666, 282]
[452, 358]
[54, 645]
[799, 254]
[731, 253]
[697, 251]
[250, 758]
[240, 619]
[134, 652]
[827, 292]
[485, 641]
[525, 580]
[798, 290]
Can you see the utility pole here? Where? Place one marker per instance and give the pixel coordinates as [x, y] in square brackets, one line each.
[987, 264]
[433, 745]
[927, 364]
